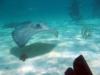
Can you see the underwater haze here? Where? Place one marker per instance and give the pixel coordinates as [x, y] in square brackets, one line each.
[74, 29]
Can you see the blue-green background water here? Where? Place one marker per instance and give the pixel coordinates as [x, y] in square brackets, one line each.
[49, 55]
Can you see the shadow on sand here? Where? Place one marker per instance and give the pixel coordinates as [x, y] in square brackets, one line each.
[32, 50]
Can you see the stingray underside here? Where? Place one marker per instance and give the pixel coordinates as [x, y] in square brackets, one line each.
[21, 35]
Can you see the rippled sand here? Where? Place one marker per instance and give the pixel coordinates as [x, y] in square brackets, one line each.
[55, 61]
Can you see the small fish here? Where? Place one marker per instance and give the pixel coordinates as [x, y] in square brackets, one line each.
[86, 32]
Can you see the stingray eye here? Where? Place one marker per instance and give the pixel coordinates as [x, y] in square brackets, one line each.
[38, 26]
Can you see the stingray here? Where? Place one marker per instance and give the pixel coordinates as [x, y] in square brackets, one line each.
[22, 34]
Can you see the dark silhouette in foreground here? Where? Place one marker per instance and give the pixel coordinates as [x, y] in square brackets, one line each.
[69, 71]
[80, 67]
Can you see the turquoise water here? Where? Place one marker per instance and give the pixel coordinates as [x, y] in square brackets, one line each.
[78, 28]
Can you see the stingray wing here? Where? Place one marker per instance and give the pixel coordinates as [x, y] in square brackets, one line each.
[22, 34]
[53, 32]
